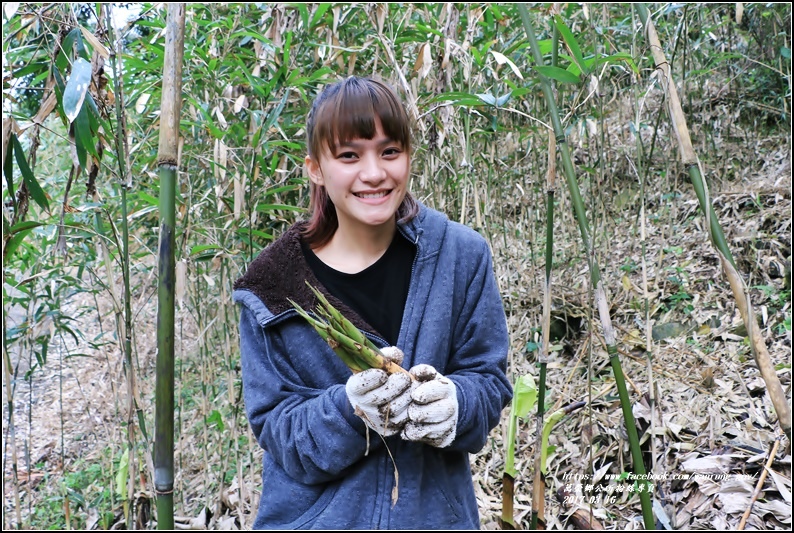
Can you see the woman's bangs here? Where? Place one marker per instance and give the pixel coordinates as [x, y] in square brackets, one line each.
[353, 116]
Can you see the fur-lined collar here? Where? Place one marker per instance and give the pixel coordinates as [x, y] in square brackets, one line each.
[281, 271]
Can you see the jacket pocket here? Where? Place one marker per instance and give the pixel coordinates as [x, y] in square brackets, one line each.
[288, 504]
[453, 482]
[436, 491]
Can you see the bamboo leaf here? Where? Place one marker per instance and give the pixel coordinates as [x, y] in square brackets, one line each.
[8, 172]
[83, 132]
[61, 59]
[286, 47]
[570, 41]
[525, 395]
[548, 425]
[26, 225]
[318, 15]
[215, 419]
[618, 57]
[14, 242]
[304, 13]
[275, 207]
[100, 48]
[27, 175]
[243, 232]
[459, 98]
[122, 473]
[76, 88]
[487, 98]
[195, 250]
[502, 59]
[148, 198]
[556, 73]
[272, 117]
[283, 188]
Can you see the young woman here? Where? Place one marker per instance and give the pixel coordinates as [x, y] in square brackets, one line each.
[417, 284]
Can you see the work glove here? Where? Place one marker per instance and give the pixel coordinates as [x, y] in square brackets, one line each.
[381, 399]
[433, 412]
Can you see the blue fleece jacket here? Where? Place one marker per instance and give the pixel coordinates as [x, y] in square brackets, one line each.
[322, 470]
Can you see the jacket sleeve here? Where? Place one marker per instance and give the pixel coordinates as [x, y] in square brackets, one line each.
[478, 361]
[310, 431]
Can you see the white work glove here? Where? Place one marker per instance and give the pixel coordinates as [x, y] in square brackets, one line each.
[381, 399]
[433, 413]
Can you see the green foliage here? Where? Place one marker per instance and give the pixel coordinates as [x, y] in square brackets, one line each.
[525, 396]
[548, 424]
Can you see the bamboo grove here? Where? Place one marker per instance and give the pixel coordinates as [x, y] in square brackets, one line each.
[150, 152]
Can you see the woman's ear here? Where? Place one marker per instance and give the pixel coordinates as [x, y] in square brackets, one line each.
[313, 168]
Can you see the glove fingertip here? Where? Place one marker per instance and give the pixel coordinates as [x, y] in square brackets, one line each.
[424, 372]
[393, 354]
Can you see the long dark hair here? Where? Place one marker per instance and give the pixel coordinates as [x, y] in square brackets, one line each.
[343, 111]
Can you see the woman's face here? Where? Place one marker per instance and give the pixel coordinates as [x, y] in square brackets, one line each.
[366, 179]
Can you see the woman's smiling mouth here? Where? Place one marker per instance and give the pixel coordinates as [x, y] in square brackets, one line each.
[371, 195]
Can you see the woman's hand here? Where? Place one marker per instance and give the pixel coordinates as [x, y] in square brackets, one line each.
[433, 412]
[381, 399]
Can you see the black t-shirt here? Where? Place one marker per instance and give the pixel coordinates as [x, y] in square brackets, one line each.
[377, 293]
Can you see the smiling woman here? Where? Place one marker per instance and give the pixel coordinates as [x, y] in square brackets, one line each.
[421, 288]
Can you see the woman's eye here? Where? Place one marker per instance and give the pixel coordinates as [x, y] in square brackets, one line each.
[391, 151]
[346, 155]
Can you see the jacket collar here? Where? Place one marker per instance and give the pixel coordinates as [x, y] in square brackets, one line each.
[280, 272]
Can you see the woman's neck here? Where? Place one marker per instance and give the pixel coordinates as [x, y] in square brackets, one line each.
[352, 249]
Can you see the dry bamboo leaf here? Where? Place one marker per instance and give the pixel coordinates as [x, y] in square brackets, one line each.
[423, 61]
[99, 48]
[241, 103]
[8, 127]
[782, 484]
[382, 11]
[140, 103]
[222, 151]
[238, 196]
[712, 464]
[46, 108]
[780, 510]
[180, 282]
[502, 59]
[221, 118]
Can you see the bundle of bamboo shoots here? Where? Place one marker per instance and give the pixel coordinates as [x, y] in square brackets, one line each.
[350, 344]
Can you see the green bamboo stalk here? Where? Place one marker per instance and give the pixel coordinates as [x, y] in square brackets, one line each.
[539, 485]
[716, 236]
[595, 274]
[167, 158]
[125, 328]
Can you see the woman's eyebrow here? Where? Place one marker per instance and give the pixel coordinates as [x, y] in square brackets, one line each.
[358, 145]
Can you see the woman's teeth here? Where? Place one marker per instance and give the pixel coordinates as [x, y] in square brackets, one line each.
[372, 195]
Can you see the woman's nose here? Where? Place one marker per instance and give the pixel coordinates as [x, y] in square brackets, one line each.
[372, 169]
